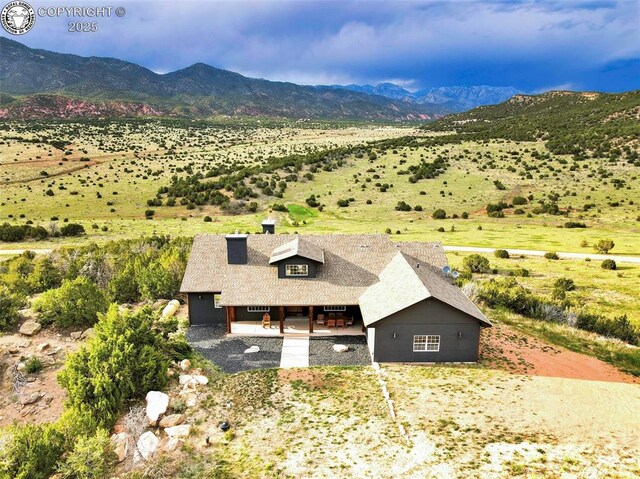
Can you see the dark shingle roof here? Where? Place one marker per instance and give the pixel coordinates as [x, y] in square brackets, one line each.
[353, 268]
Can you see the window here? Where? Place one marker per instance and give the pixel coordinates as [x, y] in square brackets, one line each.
[297, 270]
[258, 309]
[216, 300]
[335, 308]
[423, 342]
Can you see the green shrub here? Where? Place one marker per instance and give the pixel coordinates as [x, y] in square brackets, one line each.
[125, 359]
[507, 293]
[574, 224]
[619, 327]
[564, 284]
[75, 303]
[92, 457]
[279, 207]
[501, 253]
[608, 264]
[519, 200]
[33, 365]
[30, 451]
[465, 215]
[72, 229]
[208, 219]
[551, 255]
[476, 263]
[439, 214]
[10, 303]
[403, 206]
[343, 203]
[44, 276]
[604, 246]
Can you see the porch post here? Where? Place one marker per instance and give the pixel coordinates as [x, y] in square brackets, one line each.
[311, 319]
[281, 319]
[226, 309]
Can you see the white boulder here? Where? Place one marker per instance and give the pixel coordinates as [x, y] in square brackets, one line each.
[171, 308]
[184, 379]
[340, 348]
[252, 349]
[185, 364]
[147, 445]
[201, 379]
[157, 404]
[182, 430]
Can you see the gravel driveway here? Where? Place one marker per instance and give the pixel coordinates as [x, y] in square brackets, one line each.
[321, 351]
[228, 353]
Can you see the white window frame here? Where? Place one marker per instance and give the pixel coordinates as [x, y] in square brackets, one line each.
[334, 308]
[216, 300]
[426, 343]
[289, 269]
[258, 309]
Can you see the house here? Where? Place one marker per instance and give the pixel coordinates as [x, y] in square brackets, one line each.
[393, 292]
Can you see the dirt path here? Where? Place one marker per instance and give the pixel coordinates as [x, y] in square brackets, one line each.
[503, 347]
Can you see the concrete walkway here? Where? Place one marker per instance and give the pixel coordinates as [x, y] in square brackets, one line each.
[295, 352]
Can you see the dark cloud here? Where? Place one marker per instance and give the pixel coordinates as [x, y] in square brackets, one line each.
[530, 45]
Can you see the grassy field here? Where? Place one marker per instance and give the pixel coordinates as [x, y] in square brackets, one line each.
[105, 176]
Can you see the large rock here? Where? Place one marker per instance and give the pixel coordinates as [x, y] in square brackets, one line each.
[171, 308]
[147, 445]
[184, 379]
[172, 420]
[340, 348]
[87, 333]
[185, 364]
[29, 328]
[252, 349]
[182, 430]
[189, 397]
[201, 379]
[171, 444]
[76, 335]
[30, 399]
[120, 443]
[28, 314]
[157, 404]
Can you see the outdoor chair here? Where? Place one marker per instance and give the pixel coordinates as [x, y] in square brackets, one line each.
[349, 321]
[340, 323]
[331, 323]
[266, 320]
[321, 319]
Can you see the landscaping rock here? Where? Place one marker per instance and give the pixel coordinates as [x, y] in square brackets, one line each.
[184, 379]
[185, 364]
[201, 379]
[29, 328]
[147, 445]
[171, 308]
[87, 333]
[178, 431]
[190, 398]
[340, 348]
[172, 420]
[42, 346]
[120, 444]
[28, 313]
[31, 399]
[76, 335]
[157, 404]
[252, 349]
[172, 444]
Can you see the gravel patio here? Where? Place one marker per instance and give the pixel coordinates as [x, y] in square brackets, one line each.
[321, 351]
[228, 353]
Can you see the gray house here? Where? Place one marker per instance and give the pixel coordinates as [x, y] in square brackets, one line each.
[394, 292]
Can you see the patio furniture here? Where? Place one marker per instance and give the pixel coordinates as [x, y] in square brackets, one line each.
[332, 315]
[266, 320]
[340, 323]
[321, 319]
[331, 323]
[349, 322]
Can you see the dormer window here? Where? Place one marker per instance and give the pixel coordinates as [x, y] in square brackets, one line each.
[297, 270]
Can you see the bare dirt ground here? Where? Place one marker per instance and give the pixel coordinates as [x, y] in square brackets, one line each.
[51, 348]
[503, 347]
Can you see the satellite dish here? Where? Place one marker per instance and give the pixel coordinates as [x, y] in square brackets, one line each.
[446, 270]
[455, 275]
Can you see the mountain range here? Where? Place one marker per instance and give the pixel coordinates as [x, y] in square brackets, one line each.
[453, 99]
[37, 83]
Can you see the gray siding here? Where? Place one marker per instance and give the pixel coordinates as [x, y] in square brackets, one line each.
[297, 260]
[202, 312]
[430, 317]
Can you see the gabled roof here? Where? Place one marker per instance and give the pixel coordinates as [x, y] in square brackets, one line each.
[297, 247]
[406, 281]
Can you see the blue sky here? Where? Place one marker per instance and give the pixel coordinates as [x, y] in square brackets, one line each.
[531, 45]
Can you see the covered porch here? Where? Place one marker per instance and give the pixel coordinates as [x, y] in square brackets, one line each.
[298, 320]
